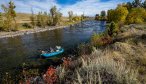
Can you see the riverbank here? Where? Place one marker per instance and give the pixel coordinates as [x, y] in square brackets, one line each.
[28, 31]
[122, 62]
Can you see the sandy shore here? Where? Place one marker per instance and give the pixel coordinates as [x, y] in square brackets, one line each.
[28, 31]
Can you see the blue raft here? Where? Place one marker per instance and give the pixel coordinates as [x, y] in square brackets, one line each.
[60, 51]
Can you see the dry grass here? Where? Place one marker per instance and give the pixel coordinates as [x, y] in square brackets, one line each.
[123, 62]
[100, 68]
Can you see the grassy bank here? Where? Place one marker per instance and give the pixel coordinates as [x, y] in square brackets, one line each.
[122, 62]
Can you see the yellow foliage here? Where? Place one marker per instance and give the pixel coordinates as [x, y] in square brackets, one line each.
[136, 15]
[118, 15]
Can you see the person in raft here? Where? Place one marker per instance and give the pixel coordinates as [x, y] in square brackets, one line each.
[43, 52]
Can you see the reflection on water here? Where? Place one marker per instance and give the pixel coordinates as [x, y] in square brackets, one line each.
[20, 49]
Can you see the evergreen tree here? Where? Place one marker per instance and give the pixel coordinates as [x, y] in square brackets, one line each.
[113, 28]
[137, 3]
[103, 15]
[97, 17]
[144, 4]
[129, 5]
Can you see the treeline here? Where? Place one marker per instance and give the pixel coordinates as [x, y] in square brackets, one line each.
[126, 13]
[73, 17]
[43, 19]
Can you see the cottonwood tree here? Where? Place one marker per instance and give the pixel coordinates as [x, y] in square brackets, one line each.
[1, 21]
[32, 18]
[9, 15]
[58, 18]
[110, 15]
[82, 17]
[120, 14]
[53, 12]
[55, 16]
[12, 11]
[70, 13]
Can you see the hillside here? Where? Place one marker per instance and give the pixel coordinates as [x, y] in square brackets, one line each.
[23, 18]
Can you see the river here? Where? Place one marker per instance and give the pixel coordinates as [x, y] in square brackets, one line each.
[24, 49]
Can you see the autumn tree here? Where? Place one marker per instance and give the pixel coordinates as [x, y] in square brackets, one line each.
[53, 12]
[58, 18]
[136, 15]
[55, 16]
[121, 14]
[9, 15]
[118, 15]
[32, 18]
[111, 15]
[70, 13]
[12, 11]
[1, 21]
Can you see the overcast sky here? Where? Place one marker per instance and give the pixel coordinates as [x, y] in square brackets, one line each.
[88, 7]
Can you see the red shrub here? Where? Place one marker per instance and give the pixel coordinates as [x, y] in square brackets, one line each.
[66, 62]
[50, 76]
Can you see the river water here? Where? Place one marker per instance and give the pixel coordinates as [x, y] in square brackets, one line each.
[22, 49]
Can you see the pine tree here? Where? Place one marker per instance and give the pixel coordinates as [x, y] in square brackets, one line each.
[137, 3]
[144, 4]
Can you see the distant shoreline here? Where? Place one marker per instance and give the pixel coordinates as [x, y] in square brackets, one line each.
[28, 31]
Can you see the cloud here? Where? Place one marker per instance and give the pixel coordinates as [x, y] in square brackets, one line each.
[88, 7]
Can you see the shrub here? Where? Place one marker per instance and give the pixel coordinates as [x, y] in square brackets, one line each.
[100, 39]
[27, 25]
[136, 15]
[112, 29]
[84, 49]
